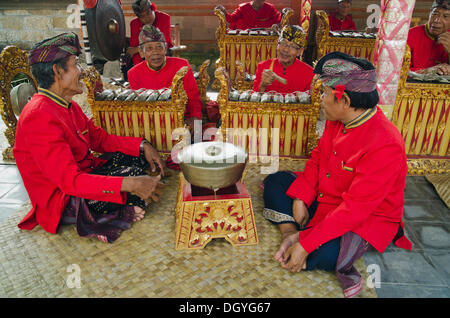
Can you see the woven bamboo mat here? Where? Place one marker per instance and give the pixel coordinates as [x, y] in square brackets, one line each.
[144, 263]
[441, 183]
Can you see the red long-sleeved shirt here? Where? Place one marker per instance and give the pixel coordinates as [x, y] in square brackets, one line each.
[141, 76]
[52, 152]
[425, 51]
[246, 17]
[341, 25]
[298, 75]
[357, 173]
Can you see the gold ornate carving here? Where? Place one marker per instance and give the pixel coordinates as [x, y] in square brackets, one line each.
[198, 222]
[203, 81]
[425, 166]
[13, 61]
[359, 47]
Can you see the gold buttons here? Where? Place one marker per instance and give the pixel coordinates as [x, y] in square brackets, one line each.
[328, 175]
[321, 194]
[334, 153]
[344, 131]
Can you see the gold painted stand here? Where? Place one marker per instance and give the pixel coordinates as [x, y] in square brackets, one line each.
[201, 217]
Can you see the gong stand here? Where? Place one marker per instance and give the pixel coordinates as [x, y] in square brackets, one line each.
[203, 214]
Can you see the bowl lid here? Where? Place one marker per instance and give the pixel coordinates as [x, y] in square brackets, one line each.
[212, 153]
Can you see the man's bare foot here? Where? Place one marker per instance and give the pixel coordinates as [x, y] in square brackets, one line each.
[288, 240]
[138, 214]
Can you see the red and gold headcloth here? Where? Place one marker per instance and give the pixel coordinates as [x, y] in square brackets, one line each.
[294, 34]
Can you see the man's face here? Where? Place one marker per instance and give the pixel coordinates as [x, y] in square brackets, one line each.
[439, 21]
[71, 79]
[333, 110]
[287, 51]
[259, 2]
[344, 8]
[147, 17]
[154, 53]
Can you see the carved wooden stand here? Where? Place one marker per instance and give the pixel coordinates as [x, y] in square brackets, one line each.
[201, 218]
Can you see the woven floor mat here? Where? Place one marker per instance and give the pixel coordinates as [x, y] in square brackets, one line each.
[144, 263]
[441, 183]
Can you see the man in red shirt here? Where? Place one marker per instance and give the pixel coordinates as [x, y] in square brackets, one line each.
[297, 74]
[342, 19]
[350, 195]
[430, 43]
[53, 152]
[250, 15]
[157, 71]
[146, 13]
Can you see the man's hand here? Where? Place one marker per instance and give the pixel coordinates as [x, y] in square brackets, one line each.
[152, 157]
[440, 69]
[294, 259]
[444, 39]
[146, 187]
[267, 78]
[300, 212]
[190, 122]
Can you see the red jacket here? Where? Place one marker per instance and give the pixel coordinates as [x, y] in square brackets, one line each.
[141, 76]
[357, 173]
[52, 152]
[245, 17]
[162, 22]
[338, 25]
[425, 51]
[298, 75]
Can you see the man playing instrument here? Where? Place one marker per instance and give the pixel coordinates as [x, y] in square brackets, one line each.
[66, 183]
[253, 14]
[285, 73]
[158, 70]
[430, 43]
[341, 19]
[146, 13]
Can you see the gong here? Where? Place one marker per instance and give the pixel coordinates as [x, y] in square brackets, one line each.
[20, 95]
[106, 29]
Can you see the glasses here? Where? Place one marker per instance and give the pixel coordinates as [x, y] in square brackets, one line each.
[286, 45]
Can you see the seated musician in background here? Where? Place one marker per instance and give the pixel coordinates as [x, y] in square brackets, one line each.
[146, 13]
[158, 70]
[348, 199]
[430, 43]
[285, 73]
[250, 15]
[54, 138]
[341, 19]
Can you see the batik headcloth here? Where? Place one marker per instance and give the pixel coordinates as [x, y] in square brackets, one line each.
[444, 4]
[141, 6]
[150, 33]
[294, 34]
[55, 48]
[340, 69]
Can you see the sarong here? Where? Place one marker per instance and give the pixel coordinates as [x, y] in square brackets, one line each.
[106, 220]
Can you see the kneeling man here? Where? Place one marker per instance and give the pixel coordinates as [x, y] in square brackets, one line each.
[349, 198]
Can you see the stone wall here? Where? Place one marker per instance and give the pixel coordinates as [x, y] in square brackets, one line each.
[24, 24]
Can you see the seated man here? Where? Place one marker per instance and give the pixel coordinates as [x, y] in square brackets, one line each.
[341, 19]
[54, 138]
[158, 70]
[250, 15]
[430, 43]
[349, 196]
[286, 65]
[146, 13]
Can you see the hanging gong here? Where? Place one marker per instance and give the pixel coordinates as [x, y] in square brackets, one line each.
[106, 29]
